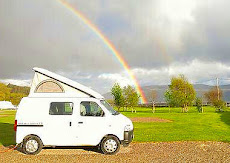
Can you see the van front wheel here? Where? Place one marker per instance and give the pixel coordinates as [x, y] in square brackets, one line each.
[110, 145]
[32, 145]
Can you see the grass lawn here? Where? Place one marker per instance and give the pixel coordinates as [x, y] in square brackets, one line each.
[207, 126]
[7, 127]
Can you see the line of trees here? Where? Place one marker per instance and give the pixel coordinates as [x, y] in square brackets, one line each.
[126, 97]
[180, 93]
[13, 93]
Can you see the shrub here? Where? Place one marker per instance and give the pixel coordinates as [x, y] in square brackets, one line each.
[199, 105]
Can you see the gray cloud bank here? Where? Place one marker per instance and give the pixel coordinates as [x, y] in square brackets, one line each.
[154, 36]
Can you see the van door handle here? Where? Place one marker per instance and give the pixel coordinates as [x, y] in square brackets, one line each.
[80, 122]
[70, 123]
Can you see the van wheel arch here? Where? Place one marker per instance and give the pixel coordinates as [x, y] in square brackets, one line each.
[107, 136]
[31, 136]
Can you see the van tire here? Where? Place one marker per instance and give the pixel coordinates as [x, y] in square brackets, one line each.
[110, 145]
[36, 141]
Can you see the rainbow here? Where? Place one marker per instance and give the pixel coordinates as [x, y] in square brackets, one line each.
[109, 45]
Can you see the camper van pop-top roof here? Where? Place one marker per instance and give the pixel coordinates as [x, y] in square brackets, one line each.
[49, 84]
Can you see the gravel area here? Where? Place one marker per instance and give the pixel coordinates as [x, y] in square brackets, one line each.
[149, 119]
[136, 152]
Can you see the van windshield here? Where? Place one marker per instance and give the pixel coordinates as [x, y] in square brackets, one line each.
[109, 107]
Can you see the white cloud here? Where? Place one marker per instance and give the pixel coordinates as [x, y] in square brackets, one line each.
[121, 78]
[16, 82]
[178, 10]
[197, 72]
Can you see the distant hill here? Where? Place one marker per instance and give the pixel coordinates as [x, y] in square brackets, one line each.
[200, 89]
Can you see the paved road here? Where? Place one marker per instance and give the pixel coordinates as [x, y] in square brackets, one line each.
[136, 152]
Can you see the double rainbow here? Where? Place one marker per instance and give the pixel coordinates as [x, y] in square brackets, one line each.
[109, 45]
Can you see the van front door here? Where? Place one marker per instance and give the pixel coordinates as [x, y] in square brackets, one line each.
[59, 124]
[91, 124]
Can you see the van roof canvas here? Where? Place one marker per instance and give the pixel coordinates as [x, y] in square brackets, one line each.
[49, 84]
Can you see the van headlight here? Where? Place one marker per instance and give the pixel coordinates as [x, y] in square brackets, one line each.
[128, 128]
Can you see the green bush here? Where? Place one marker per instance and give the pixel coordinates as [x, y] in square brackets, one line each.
[219, 105]
[199, 105]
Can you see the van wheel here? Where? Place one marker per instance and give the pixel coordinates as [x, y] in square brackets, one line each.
[110, 145]
[32, 145]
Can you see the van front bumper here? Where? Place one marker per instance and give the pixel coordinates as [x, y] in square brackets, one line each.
[128, 137]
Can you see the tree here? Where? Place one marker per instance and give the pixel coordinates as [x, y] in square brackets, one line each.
[131, 97]
[199, 105]
[152, 96]
[13, 93]
[117, 93]
[19, 89]
[15, 98]
[180, 93]
[215, 97]
[4, 92]
[111, 102]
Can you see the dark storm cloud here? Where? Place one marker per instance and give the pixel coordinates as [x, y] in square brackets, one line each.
[209, 37]
[153, 39]
[45, 34]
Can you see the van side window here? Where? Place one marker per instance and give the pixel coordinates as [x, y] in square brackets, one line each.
[61, 108]
[89, 108]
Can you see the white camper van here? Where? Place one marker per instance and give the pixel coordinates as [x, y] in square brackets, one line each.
[61, 112]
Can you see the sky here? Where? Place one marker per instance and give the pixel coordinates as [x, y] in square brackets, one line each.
[158, 39]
